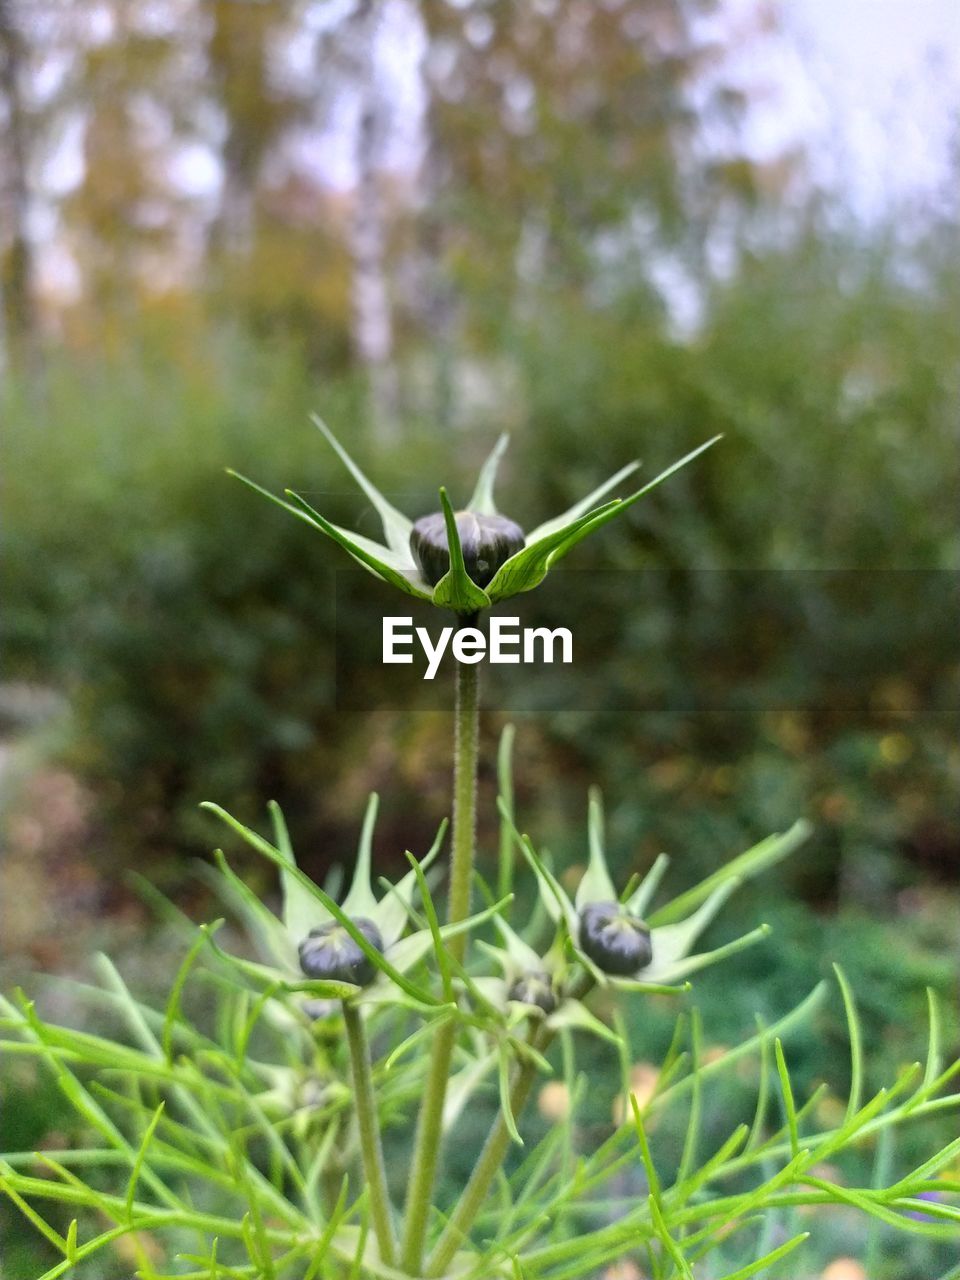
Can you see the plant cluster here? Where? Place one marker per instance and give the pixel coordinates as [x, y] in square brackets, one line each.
[253, 1145]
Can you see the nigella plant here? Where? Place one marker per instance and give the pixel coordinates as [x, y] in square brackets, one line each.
[468, 560]
[289, 1111]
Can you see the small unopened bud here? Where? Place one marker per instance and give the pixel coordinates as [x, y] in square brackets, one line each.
[487, 542]
[328, 952]
[535, 989]
[617, 941]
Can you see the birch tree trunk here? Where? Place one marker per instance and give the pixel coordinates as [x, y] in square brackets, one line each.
[372, 314]
[18, 323]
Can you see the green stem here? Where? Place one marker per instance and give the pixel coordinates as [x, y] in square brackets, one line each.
[373, 1165]
[430, 1126]
[496, 1145]
[485, 1170]
[466, 737]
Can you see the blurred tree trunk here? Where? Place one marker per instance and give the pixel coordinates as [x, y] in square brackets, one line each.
[253, 115]
[19, 339]
[372, 314]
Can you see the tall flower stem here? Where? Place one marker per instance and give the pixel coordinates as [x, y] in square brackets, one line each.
[371, 1150]
[485, 1170]
[496, 1146]
[430, 1125]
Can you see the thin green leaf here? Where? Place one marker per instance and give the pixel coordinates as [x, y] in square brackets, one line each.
[934, 1056]
[856, 1045]
[393, 909]
[505, 786]
[668, 1242]
[653, 1181]
[795, 1017]
[506, 1105]
[439, 949]
[71, 1241]
[54, 1237]
[761, 1264]
[176, 991]
[763, 1088]
[691, 1138]
[787, 1092]
[558, 905]
[140, 1158]
[926, 1170]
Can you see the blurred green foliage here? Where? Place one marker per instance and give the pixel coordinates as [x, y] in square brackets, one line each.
[193, 626]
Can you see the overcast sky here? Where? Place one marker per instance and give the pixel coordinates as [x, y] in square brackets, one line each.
[883, 91]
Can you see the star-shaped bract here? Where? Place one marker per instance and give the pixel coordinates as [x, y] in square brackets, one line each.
[672, 935]
[393, 559]
[306, 907]
[523, 972]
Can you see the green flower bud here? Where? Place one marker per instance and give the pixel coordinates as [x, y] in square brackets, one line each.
[328, 952]
[535, 989]
[487, 543]
[617, 941]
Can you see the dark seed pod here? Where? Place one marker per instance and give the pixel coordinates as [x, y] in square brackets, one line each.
[487, 543]
[328, 952]
[535, 989]
[615, 940]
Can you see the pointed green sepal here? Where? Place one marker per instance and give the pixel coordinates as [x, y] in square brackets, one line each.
[767, 853]
[456, 590]
[581, 506]
[692, 964]
[360, 549]
[299, 908]
[614, 509]
[482, 500]
[396, 526]
[360, 900]
[528, 568]
[642, 896]
[577, 1017]
[595, 884]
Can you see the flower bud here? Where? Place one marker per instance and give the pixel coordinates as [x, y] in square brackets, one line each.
[328, 952]
[487, 542]
[617, 941]
[535, 989]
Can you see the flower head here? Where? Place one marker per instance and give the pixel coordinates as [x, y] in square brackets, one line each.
[467, 560]
[360, 949]
[609, 934]
[535, 986]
